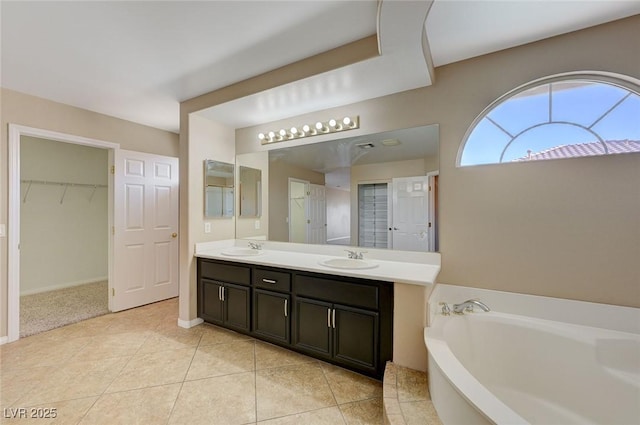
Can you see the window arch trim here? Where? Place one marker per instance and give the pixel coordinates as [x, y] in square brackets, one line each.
[625, 82]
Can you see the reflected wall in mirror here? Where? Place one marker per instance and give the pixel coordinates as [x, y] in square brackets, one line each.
[378, 191]
[218, 189]
[250, 190]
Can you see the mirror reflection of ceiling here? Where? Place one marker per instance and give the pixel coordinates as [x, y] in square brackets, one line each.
[333, 158]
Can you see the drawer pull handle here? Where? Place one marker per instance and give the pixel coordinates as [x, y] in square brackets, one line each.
[271, 281]
[285, 308]
[334, 318]
[328, 317]
[219, 293]
[222, 290]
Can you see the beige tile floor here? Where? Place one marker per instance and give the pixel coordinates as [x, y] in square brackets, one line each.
[139, 367]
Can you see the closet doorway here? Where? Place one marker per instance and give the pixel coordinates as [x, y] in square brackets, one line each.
[142, 229]
[64, 243]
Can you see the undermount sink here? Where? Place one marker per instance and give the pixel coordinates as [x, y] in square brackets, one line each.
[242, 252]
[348, 263]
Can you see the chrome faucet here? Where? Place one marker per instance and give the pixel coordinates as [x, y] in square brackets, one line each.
[468, 306]
[356, 255]
[255, 245]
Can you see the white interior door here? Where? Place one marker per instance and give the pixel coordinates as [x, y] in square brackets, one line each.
[317, 214]
[298, 206]
[145, 267]
[411, 213]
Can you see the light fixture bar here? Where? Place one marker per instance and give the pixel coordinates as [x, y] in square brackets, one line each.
[308, 130]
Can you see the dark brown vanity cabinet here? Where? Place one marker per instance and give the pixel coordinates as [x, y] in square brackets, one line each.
[272, 305]
[224, 295]
[343, 320]
[335, 332]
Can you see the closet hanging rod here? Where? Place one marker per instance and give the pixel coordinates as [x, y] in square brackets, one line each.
[54, 183]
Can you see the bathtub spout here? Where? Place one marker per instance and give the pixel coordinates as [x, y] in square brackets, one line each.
[468, 305]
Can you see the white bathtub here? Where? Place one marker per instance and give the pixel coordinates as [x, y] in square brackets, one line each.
[511, 369]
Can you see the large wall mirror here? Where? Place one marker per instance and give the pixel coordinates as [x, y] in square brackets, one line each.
[377, 191]
[218, 189]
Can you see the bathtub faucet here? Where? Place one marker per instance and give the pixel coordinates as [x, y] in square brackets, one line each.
[468, 306]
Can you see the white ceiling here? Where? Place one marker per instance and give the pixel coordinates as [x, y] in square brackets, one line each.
[139, 60]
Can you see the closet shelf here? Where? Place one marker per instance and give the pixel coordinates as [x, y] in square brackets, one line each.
[56, 183]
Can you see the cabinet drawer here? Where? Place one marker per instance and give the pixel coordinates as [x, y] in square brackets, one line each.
[346, 293]
[225, 272]
[271, 279]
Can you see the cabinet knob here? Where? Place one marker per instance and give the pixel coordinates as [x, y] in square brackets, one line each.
[174, 235]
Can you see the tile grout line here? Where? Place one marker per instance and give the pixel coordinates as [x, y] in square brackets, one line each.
[184, 379]
[255, 381]
[324, 374]
[115, 377]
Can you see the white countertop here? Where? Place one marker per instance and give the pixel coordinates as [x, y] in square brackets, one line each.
[417, 268]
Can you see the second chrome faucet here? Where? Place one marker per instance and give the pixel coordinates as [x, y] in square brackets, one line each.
[468, 306]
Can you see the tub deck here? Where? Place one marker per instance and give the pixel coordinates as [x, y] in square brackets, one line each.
[406, 397]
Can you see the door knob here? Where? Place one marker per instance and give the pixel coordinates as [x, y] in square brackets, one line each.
[174, 235]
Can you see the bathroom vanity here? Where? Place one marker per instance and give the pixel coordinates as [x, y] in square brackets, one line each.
[342, 315]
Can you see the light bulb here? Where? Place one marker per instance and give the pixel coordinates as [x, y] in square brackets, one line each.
[335, 125]
[283, 132]
[347, 121]
[319, 125]
[306, 128]
[272, 135]
[294, 131]
[261, 136]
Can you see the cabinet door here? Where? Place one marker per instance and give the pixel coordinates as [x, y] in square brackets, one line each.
[210, 303]
[312, 327]
[271, 315]
[355, 337]
[236, 301]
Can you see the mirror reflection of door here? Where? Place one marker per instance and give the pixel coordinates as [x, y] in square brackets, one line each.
[317, 214]
[410, 222]
[298, 210]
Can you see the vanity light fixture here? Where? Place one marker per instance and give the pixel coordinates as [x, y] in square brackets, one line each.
[320, 127]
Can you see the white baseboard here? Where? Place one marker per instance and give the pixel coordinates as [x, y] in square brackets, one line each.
[4, 339]
[63, 285]
[189, 323]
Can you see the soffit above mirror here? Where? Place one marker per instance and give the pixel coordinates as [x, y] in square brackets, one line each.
[403, 64]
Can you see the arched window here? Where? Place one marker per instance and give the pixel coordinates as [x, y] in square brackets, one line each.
[559, 117]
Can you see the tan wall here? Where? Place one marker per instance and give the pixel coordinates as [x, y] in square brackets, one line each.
[19, 108]
[564, 228]
[204, 140]
[431, 163]
[278, 192]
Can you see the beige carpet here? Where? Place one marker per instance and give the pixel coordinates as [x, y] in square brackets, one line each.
[49, 310]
